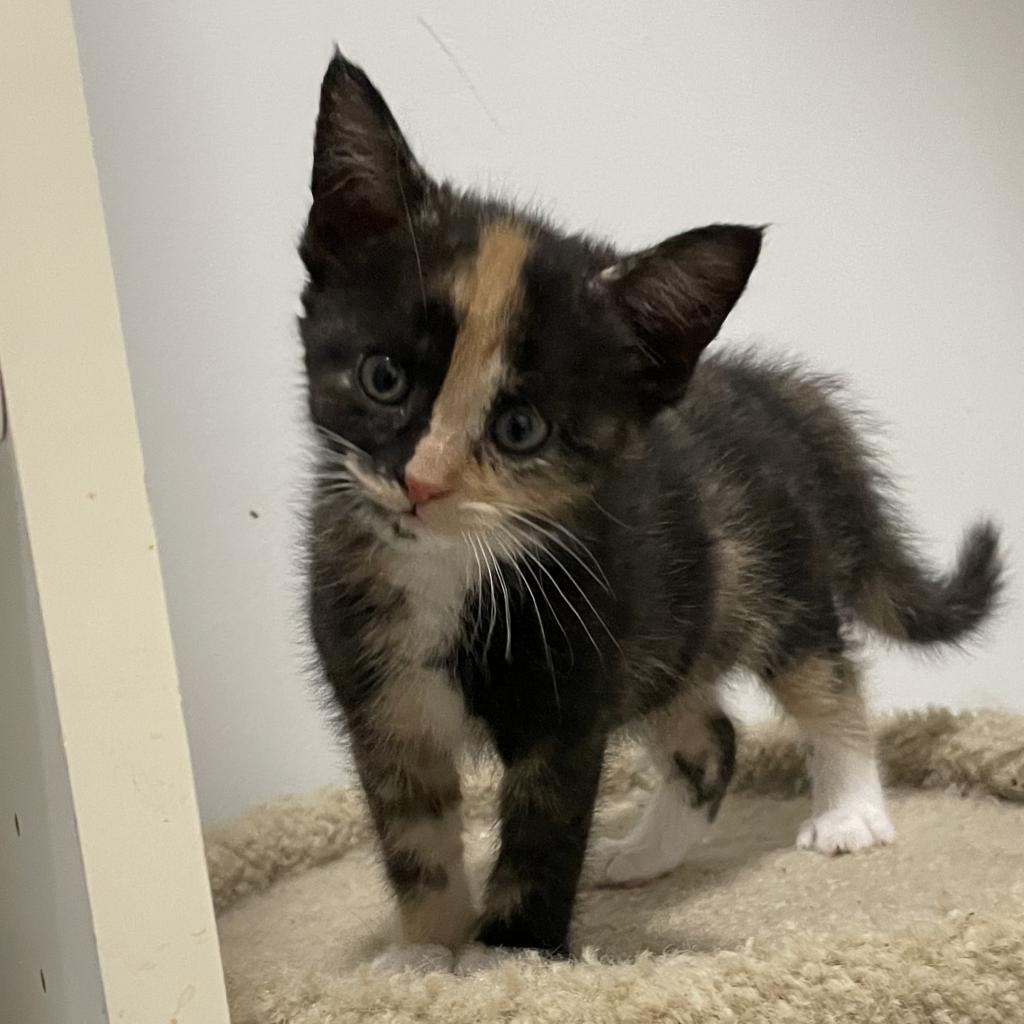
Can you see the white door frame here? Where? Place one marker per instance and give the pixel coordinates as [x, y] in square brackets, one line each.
[108, 731]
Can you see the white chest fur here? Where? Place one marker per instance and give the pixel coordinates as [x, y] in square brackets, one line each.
[419, 698]
[435, 579]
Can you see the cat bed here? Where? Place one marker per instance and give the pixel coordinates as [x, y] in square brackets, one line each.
[749, 930]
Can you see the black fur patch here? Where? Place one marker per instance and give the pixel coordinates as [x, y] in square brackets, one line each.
[709, 778]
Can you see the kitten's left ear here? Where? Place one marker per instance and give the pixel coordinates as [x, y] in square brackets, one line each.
[365, 178]
[677, 295]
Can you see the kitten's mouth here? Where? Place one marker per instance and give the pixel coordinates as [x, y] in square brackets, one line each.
[400, 530]
[418, 523]
[408, 525]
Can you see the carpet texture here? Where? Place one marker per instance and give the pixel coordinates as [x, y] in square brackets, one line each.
[749, 930]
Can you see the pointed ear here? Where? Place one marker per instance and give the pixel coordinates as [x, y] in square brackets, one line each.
[677, 295]
[365, 178]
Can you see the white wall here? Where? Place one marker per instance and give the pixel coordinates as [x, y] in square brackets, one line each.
[883, 141]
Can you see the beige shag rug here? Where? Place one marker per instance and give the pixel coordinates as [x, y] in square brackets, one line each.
[750, 930]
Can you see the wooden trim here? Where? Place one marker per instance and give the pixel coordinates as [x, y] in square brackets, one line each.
[92, 545]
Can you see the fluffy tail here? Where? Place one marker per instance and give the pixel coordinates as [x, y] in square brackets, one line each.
[909, 603]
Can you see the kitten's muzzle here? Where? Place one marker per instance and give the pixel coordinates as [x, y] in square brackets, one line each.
[420, 491]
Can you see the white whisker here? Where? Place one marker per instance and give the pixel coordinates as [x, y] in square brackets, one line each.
[504, 590]
[601, 580]
[513, 561]
[493, 596]
[521, 541]
[478, 618]
[614, 519]
[544, 569]
[344, 442]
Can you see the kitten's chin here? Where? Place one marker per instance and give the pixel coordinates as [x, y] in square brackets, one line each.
[440, 524]
[408, 530]
[405, 528]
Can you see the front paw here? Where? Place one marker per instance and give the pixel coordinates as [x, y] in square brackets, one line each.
[418, 957]
[845, 829]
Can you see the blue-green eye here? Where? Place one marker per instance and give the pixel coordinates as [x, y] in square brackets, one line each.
[383, 379]
[520, 429]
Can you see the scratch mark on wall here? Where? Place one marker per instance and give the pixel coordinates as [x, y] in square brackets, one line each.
[461, 72]
[186, 997]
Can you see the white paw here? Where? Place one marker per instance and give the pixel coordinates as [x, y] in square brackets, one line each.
[622, 862]
[846, 829]
[420, 957]
[476, 957]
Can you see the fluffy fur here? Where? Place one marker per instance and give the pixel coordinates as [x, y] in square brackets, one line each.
[542, 516]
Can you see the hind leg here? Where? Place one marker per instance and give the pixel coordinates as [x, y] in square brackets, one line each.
[693, 745]
[823, 694]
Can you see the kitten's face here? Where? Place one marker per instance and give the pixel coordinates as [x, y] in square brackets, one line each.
[470, 370]
[487, 391]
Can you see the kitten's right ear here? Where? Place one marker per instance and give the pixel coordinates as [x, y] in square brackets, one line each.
[365, 178]
[676, 296]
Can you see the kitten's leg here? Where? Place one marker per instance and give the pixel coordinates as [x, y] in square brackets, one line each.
[823, 694]
[693, 744]
[412, 788]
[547, 802]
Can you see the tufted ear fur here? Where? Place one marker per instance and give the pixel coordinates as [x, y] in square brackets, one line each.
[365, 178]
[676, 296]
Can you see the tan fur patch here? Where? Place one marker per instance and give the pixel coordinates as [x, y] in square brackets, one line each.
[825, 697]
[420, 703]
[876, 606]
[433, 840]
[444, 917]
[531, 785]
[547, 494]
[487, 294]
[681, 727]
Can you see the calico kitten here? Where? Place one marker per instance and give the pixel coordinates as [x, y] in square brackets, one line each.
[538, 516]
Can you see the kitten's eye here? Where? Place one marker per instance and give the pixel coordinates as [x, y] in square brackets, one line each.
[383, 379]
[520, 430]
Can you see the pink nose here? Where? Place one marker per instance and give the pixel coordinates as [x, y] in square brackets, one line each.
[422, 491]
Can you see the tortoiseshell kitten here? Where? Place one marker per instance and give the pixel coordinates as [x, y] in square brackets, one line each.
[538, 517]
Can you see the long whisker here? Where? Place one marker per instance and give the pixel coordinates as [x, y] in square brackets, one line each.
[599, 577]
[544, 569]
[478, 618]
[504, 590]
[519, 542]
[492, 593]
[561, 527]
[614, 519]
[590, 604]
[514, 562]
[412, 230]
[326, 500]
[336, 488]
[534, 518]
[344, 442]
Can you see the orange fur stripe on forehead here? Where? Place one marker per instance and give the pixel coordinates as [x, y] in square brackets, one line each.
[487, 294]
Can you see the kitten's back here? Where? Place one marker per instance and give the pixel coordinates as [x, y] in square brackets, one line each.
[781, 455]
